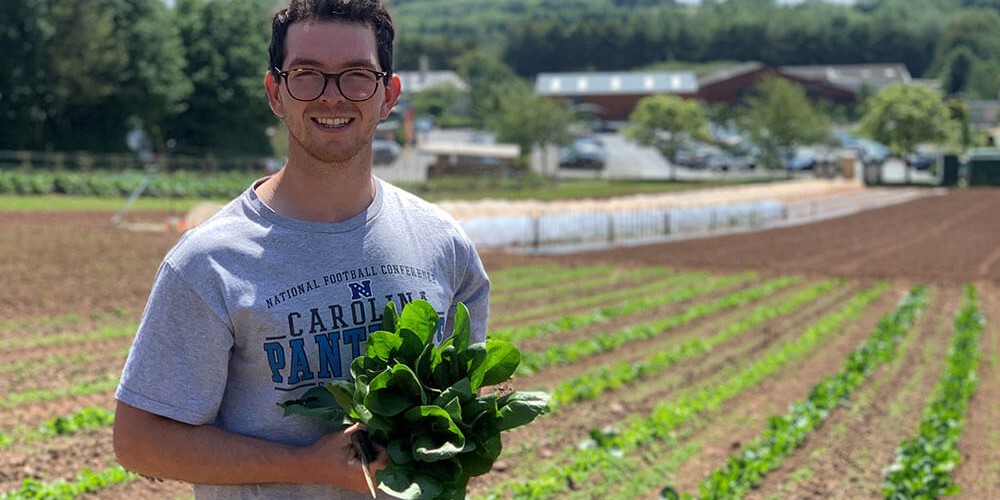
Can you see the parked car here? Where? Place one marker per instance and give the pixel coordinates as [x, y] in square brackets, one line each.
[694, 154]
[584, 153]
[922, 159]
[802, 159]
[867, 150]
[726, 162]
[384, 151]
[809, 158]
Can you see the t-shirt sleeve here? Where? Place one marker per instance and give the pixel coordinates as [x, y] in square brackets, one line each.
[473, 290]
[178, 363]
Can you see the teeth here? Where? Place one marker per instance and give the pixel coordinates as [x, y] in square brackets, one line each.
[333, 122]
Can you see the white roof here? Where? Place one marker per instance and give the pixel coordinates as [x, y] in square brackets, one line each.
[854, 76]
[617, 83]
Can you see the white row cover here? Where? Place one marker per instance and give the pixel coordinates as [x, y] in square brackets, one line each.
[595, 229]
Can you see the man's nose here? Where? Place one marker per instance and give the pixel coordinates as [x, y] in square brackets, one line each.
[332, 91]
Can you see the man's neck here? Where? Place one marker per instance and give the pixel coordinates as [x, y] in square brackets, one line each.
[315, 192]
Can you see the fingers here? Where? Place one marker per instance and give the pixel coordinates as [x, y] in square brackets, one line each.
[377, 457]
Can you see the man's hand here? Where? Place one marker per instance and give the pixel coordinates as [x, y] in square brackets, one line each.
[338, 455]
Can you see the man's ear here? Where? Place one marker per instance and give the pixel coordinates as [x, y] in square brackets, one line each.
[392, 91]
[273, 88]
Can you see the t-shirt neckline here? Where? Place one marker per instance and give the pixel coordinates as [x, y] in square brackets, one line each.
[355, 222]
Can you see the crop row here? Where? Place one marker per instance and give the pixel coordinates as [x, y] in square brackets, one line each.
[539, 277]
[593, 383]
[582, 279]
[610, 450]
[87, 481]
[569, 353]
[683, 287]
[80, 389]
[121, 184]
[670, 282]
[784, 434]
[85, 419]
[596, 381]
[923, 463]
[91, 418]
[688, 287]
[679, 283]
[575, 466]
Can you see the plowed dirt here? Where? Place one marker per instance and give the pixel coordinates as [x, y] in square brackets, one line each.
[67, 273]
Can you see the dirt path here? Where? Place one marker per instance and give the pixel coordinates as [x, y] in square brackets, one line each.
[938, 239]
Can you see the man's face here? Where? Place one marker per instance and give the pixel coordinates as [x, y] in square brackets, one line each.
[331, 128]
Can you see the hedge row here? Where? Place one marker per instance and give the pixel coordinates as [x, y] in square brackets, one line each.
[121, 184]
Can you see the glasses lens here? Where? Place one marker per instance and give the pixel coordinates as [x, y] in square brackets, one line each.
[305, 84]
[358, 85]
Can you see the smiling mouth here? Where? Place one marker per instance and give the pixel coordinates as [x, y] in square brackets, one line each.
[333, 122]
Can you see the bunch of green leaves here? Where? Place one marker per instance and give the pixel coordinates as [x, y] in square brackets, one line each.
[421, 401]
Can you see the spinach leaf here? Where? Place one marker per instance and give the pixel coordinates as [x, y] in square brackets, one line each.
[421, 401]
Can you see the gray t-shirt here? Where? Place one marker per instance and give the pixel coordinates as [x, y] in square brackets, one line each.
[250, 309]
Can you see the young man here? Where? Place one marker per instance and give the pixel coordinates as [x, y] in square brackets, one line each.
[278, 292]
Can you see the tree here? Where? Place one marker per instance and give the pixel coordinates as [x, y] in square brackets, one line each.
[76, 71]
[984, 80]
[87, 61]
[780, 117]
[957, 70]
[24, 91]
[667, 121]
[961, 116]
[904, 115]
[155, 86]
[977, 30]
[528, 119]
[445, 102]
[227, 113]
[487, 77]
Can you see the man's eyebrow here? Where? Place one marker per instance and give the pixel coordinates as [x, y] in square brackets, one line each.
[303, 62]
[357, 63]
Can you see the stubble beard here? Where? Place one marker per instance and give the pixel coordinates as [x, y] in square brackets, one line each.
[324, 153]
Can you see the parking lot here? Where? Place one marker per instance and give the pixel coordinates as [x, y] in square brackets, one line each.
[626, 160]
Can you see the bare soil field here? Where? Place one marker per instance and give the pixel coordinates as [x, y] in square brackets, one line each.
[72, 288]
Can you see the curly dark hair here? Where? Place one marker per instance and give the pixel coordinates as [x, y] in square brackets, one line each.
[368, 12]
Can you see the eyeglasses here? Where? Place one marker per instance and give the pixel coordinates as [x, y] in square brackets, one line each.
[354, 84]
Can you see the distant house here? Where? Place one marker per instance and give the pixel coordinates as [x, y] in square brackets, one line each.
[984, 115]
[415, 81]
[732, 85]
[400, 124]
[613, 95]
[857, 78]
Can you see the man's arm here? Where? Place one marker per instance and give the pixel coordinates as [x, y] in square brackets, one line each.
[159, 447]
